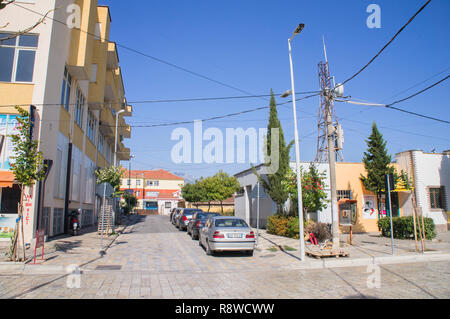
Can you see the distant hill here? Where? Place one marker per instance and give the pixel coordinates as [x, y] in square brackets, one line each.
[188, 179]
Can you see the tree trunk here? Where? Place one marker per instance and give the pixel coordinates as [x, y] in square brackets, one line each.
[221, 207]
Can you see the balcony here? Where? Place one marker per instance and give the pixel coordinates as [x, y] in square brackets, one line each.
[110, 87]
[107, 121]
[128, 111]
[112, 61]
[123, 153]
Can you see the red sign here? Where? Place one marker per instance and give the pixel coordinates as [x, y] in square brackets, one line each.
[40, 239]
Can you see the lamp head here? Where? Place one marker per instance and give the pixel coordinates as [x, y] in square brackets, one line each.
[299, 29]
[286, 94]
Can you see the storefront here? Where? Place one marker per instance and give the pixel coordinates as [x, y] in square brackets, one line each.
[9, 200]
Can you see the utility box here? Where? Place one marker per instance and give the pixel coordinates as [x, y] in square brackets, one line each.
[347, 212]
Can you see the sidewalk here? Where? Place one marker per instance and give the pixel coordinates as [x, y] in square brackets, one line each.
[60, 249]
[366, 249]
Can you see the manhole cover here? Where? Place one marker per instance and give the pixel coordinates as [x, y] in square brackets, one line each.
[108, 267]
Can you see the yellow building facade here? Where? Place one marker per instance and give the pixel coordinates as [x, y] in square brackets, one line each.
[70, 72]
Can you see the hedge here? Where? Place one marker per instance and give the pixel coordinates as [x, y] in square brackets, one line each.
[287, 226]
[403, 227]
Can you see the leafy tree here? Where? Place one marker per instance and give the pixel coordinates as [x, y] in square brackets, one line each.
[273, 185]
[376, 162]
[194, 193]
[27, 163]
[129, 203]
[314, 197]
[111, 175]
[221, 186]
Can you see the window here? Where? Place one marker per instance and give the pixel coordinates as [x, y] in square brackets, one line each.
[17, 57]
[65, 91]
[168, 205]
[91, 126]
[344, 194]
[138, 182]
[436, 197]
[149, 183]
[138, 193]
[79, 109]
[155, 183]
[101, 142]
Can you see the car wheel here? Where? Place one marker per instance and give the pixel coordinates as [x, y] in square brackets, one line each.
[209, 251]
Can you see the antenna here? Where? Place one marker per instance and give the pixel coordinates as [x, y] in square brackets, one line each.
[326, 88]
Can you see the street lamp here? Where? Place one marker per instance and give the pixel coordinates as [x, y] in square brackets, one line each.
[129, 179]
[297, 146]
[115, 143]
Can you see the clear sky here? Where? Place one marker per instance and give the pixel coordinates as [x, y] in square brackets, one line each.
[244, 44]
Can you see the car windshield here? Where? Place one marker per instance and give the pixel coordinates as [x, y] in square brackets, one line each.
[191, 211]
[205, 215]
[232, 222]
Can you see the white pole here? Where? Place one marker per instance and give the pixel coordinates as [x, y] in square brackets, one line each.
[257, 216]
[297, 161]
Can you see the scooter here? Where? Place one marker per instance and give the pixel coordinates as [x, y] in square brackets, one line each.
[74, 224]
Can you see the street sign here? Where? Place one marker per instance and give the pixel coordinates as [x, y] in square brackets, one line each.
[100, 190]
[262, 193]
[40, 239]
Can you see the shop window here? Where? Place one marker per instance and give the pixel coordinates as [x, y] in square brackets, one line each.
[436, 195]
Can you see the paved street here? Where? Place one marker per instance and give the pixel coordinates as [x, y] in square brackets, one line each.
[152, 259]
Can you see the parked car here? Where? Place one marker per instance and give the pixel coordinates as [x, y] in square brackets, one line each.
[172, 211]
[182, 220]
[175, 216]
[225, 233]
[197, 221]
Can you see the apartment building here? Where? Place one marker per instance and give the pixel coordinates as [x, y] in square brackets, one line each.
[73, 78]
[157, 191]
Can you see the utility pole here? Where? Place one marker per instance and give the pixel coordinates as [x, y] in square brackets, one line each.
[332, 164]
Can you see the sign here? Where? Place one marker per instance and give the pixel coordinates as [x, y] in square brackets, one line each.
[100, 189]
[8, 126]
[262, 193]
[369, 210]
[7, 225]
[40, 239]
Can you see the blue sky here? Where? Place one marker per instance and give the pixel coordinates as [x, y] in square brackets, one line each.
[244, 44]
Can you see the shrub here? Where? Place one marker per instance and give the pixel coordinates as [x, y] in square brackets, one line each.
[228, 213]
[321, 231]
[403, 227]
[277, 225]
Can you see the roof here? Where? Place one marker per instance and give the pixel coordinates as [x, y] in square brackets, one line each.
[155, 174]
[6, 178]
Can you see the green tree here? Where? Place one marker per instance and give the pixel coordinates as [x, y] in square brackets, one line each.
[222, 186]
[27, 164]
[194, 193]
[377, 164]
[314, 197]
[273, 185]
[111, 175]
[130, 202]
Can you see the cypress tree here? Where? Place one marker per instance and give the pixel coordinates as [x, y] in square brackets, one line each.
[273, 185]
[376, 162]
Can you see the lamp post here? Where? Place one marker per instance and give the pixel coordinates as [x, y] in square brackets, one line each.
[129, 179]
[297, 146]
[115, 140]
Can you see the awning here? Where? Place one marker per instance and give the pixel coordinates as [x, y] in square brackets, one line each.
[6, 179]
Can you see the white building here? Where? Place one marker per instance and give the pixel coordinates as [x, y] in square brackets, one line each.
[431, 175]
[246, 204]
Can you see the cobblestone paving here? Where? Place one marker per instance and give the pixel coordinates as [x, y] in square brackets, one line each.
[158, 261]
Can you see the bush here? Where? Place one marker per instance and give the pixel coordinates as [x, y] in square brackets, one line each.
[321, 231]
[403, 227]
[288, 226]
[277, 225]
[228, 213]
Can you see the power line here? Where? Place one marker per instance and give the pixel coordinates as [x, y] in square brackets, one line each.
[387, 44]
[215, 117]
[200, 99]
[146, 55]
[390, 106]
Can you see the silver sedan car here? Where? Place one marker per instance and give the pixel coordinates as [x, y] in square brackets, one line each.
[225, 233]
